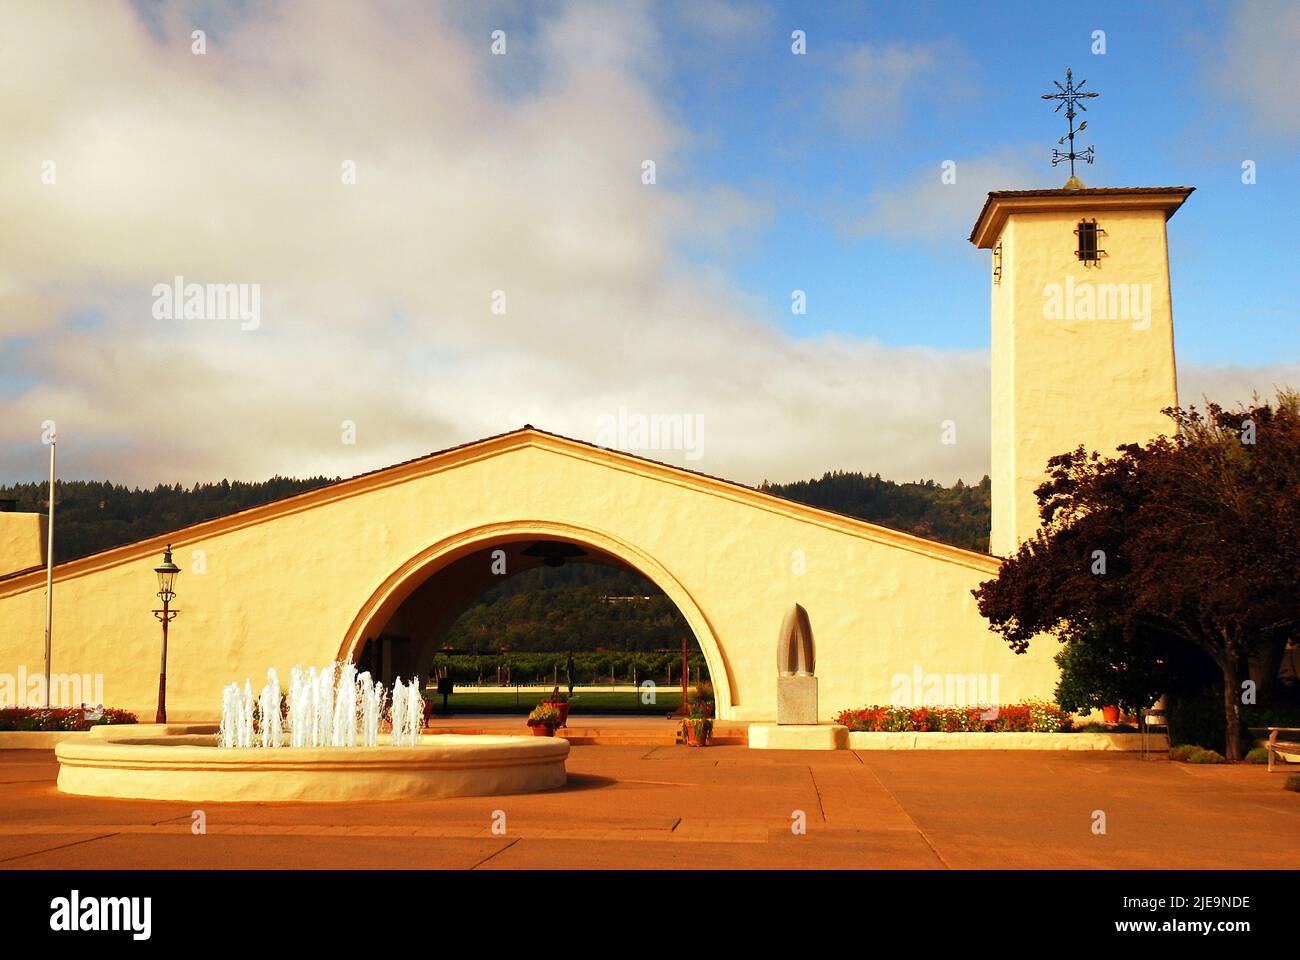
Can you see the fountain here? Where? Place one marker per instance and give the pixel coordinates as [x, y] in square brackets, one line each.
[317, 741]
[322, 711]
[408, 713]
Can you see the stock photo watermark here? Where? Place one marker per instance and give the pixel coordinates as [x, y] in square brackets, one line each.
[1085, 300]
[179, 300]
[925, 689]
[27, 689]
[652, 432]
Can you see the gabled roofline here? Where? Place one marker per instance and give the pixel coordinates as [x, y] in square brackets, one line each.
[1002, 203]
[526, 436]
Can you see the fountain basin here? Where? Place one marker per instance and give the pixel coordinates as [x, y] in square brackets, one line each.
[194, 768]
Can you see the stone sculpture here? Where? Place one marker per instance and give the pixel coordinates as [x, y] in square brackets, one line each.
[796, 661]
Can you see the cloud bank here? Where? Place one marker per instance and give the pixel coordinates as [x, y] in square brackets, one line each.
[446, 244]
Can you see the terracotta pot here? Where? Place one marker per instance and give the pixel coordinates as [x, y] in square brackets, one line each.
[695, 736]
[543, 731]
[1110, 714]
[564, 712]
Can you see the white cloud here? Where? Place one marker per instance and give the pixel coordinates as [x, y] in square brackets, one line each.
[376, 297]
[928, 209]
[1256, 70]
[1229, 386]
[872, 85]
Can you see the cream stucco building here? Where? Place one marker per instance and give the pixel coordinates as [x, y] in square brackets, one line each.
[1083, 332]
[404, 550]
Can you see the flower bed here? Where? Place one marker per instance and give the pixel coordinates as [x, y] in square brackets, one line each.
[57, 719]
[1029, 716]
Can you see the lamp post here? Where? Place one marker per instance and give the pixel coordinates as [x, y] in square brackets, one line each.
[167, 572]
[49, 572]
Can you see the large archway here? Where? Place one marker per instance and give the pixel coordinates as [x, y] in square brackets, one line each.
[453, 562]
[312, 577]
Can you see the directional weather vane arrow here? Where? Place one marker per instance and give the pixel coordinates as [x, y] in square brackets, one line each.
[1070, 97]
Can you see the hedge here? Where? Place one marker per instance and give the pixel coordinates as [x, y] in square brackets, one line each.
[467, 668]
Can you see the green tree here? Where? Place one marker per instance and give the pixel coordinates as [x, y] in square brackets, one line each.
[1105, 668]
[958, 515]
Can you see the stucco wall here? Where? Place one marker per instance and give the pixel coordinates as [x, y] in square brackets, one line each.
[22, 541]
[1058, 382]
[288, 583]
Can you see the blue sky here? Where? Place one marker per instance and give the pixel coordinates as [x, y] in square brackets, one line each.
[479, 173]
[1165, 117]
[1162, 119]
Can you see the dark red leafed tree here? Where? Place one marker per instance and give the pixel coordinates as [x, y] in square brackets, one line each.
[1189, 540]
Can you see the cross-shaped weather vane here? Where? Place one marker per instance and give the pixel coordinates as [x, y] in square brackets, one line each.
[1069, 97]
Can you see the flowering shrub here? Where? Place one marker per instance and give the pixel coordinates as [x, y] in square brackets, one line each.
[544, 715]
[699, 728]
[59, 718]
[1029, 716]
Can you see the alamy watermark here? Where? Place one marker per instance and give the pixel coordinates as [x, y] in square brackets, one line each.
[654, 431]
[1098, 301]
[25, 689]
[921, 689]
[75, 913]
[179, 300]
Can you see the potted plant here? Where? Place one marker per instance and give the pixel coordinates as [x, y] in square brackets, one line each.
[544, 719]
[561, 703]
[1110, 713]
[697, 725]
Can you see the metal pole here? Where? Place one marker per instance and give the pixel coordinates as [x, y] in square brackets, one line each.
[49, 574]
[161, 716]
[686, 673]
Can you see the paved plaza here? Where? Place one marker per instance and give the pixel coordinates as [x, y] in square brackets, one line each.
[724, 807]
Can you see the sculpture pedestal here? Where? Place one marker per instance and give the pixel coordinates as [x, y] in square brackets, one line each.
[776, 736]
[796, 700]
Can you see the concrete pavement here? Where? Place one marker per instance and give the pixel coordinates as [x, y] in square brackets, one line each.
[724, 807]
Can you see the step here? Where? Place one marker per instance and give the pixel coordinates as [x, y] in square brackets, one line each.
[603, 736]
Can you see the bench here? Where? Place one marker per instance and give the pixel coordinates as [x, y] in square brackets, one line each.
[1286, 749]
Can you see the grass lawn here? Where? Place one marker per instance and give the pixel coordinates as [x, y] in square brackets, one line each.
[593, 702]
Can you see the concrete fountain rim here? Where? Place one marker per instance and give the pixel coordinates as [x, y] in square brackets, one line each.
[194, 768]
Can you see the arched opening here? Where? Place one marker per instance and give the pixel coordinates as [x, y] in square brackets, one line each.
[402, 626]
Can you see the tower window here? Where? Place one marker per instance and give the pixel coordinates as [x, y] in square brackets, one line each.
[1089, 246]
[997, 263]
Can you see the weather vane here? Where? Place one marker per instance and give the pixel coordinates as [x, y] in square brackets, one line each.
[1069, 97]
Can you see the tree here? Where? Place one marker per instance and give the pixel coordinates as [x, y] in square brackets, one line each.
[1108, 668]
[958, 515]
[1191, 541]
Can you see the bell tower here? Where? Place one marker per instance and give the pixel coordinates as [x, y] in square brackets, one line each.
[1083, 331]
[1083, 334]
